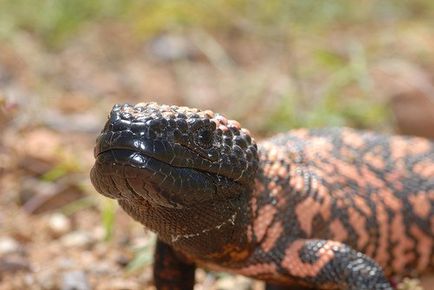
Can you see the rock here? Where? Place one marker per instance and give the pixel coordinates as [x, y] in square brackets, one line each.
[12, 264]
[123, 260]
[414, 113]
[75, 280]
[98, 233]
[9, 246]
[409, 284]
[230, 282]
[409, 91]
[59, 224]
[225, 283]
[77, 239]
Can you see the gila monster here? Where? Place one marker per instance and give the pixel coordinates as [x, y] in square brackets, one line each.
[332, 208]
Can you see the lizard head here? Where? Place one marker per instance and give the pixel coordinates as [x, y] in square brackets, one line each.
[184, 173]
[173, 157]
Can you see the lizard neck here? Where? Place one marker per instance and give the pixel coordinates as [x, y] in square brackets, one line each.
[214, 232]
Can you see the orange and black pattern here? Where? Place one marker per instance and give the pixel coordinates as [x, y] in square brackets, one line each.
[324, 209]
[329, 199]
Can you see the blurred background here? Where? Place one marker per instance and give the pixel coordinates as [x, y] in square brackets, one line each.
[272, 65]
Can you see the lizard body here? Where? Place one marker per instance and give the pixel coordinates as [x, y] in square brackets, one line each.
[325, 208]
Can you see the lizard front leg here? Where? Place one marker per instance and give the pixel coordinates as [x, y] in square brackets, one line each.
[332, 265]
[171, 272]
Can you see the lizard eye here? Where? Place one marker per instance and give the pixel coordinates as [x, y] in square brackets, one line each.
[204, 138]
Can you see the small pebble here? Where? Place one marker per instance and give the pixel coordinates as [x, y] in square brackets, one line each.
[409, 284]
[229, 282]
[59, 224]
[75, 280]
[9, 246]
[123, 260]
[13, 263]
[77, 239]
[98, 233]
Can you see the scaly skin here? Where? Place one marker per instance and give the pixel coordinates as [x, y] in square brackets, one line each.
[324, 208]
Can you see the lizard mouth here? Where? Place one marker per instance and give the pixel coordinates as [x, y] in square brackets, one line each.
[120, 173]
